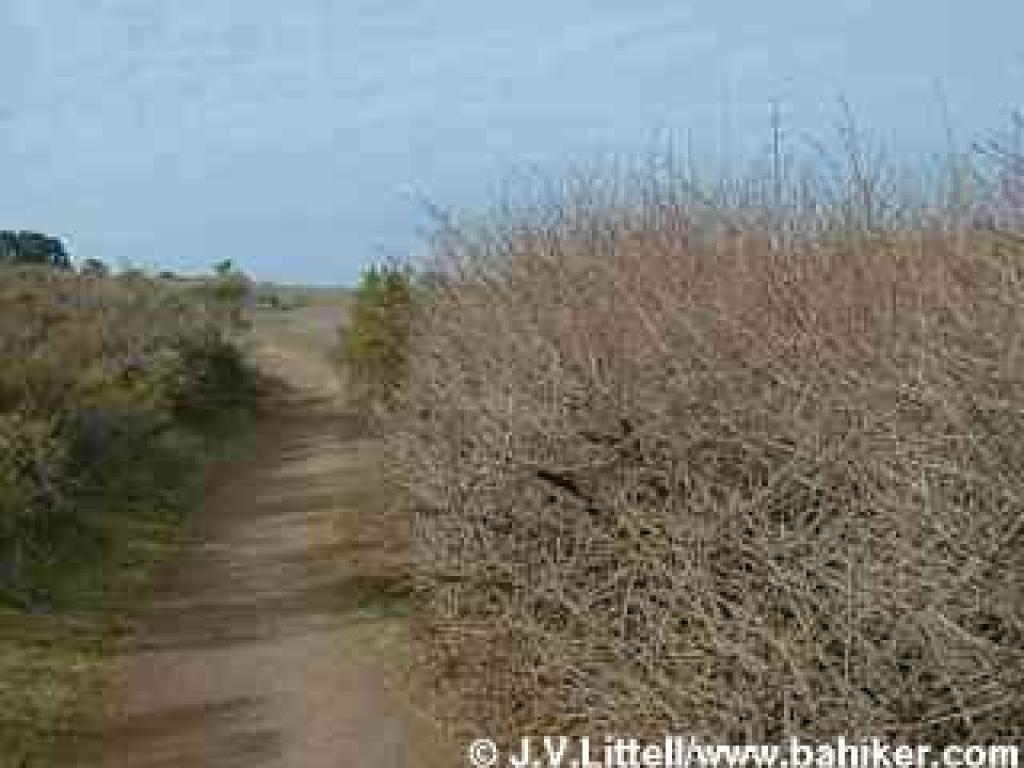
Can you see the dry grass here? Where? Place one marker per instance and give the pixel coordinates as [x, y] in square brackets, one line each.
[747, 469]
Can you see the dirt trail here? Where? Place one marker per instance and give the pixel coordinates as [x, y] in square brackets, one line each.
[267, 642]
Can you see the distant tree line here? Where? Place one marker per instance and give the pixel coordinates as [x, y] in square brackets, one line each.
[33, 248]
[229, 283]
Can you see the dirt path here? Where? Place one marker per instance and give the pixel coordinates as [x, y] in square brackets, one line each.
[267, 643]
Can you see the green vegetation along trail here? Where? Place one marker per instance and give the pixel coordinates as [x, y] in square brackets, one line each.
[271, 640]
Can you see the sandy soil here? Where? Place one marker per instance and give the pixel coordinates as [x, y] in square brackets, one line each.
[269, 642]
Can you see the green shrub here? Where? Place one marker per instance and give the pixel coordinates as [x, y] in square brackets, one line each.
[96, 375]
[228, 290]
[374, 340]
[210, 379]
[36, 520]
[110, 393]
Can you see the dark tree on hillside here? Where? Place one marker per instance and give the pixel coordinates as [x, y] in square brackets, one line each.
[33, 248]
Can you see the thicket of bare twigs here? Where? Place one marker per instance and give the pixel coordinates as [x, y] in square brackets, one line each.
[750, 467]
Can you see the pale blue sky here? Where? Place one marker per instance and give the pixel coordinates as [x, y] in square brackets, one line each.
[294, 136]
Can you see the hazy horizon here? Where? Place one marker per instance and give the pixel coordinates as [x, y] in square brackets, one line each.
[296, 139]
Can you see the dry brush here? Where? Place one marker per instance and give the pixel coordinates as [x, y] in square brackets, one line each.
[750, 470]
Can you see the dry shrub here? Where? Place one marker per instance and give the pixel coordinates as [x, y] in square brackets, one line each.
[674, 467]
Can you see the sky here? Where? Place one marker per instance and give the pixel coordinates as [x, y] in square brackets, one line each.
[300, 138]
